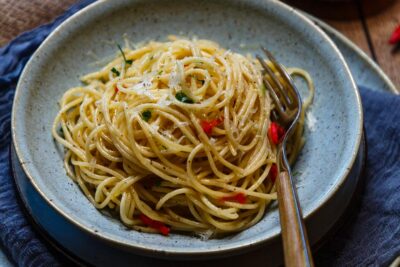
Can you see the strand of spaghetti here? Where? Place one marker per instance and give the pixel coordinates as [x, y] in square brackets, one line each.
[185, 220]
[270, 196]
[126, 209]
[170, 195]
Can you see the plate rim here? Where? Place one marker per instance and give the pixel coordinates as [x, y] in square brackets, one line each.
[220, 249]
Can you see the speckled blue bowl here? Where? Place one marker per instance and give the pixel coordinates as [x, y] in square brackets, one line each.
[242, 26]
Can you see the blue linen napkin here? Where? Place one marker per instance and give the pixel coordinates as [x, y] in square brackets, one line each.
[371, 237]
[17, 238]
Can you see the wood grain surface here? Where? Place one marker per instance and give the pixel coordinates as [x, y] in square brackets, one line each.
[367, 23]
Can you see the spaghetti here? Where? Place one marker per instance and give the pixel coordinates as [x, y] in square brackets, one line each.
[174, 136]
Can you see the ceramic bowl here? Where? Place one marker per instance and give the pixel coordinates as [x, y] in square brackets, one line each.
[332, 142]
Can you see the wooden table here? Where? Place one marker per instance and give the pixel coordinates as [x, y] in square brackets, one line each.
[368, 23]
[368, 29]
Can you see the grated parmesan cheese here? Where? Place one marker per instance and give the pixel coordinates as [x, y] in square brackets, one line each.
[168, 134]
[205, 235]
[154, 128]
[311, 121]
[176, 76]
[173, 80]
[163, 101]
[180, 124]
[143, 87]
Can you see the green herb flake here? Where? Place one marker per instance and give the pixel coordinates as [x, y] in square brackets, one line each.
[146, 115]
[181, 96]
[157, 183]
[160, 72]
[123, 55]
[115, 71]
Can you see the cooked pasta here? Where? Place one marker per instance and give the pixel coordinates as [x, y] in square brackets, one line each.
[174, 135]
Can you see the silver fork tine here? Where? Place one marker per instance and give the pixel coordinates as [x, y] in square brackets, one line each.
[281, 108]
[275, 95]
[287, 100]
[283, 73]
[278, 105]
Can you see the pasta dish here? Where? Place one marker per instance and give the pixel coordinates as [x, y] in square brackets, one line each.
[175, 136]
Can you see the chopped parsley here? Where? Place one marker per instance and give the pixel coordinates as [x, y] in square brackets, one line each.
[129, 61]
[115, 71]
[146, 115]
[181, 96]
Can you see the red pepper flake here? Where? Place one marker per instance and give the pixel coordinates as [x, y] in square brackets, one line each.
[276, 133]
[116, 89]
[154, 224]
[273, 173]
[395, 37]
[239, 197]
[209, 125]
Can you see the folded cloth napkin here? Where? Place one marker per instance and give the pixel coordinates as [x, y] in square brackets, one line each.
[17, 238]
[370, 238]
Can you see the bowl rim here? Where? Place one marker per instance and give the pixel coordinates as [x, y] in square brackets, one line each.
[150, 249]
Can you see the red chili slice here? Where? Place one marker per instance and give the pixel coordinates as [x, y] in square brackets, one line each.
[239, 197]
[155, 224]
[273, 173]
[209, 125]
[276, 133]
[164, 230]
[395, 37]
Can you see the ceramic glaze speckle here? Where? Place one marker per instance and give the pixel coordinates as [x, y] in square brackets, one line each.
[238, 25]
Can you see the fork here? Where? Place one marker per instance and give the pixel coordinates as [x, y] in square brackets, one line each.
[287, 111]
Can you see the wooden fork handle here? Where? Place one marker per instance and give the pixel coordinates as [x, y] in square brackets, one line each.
[295, 241]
